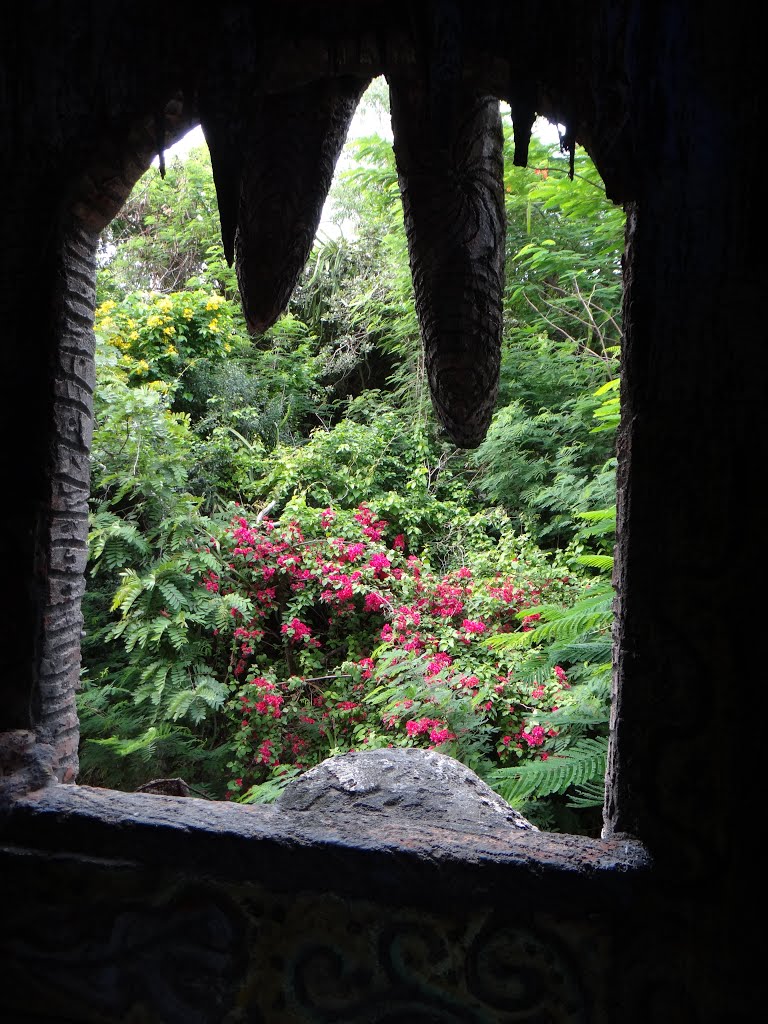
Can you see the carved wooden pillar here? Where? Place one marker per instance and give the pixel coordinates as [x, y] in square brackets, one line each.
[688, 518]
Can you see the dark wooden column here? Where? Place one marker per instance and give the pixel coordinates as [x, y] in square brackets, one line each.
[692, 449]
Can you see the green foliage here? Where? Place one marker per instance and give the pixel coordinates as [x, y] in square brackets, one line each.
[120, 751]
[167, 237]
[140, 452]
[270, 391]
[413, 703]
[577, 636]
[575, 767]
[372, 456]
[544, 465]
[357, 602]
[542, 458]
[340, 640]
[155, 686]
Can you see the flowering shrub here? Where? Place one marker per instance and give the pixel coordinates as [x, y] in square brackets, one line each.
[340, 640]
[158, 336]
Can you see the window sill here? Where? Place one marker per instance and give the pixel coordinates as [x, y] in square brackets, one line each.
[351, 853]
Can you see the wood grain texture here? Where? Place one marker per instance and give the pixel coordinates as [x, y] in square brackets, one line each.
[451, 180]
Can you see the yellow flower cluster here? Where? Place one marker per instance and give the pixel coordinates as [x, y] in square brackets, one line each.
[214, 302]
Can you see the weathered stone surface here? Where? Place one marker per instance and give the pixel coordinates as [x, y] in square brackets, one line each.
[73, 426]
[346, 851]
[63, 590]
[76, 361]
[57, 692]
[26, 762]
[69, 530]
[412, 783]
[68, 559]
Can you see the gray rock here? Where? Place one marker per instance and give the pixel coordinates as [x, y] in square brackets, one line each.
[402, 782]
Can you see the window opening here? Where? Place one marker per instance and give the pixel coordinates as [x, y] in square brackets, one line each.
[287, 559]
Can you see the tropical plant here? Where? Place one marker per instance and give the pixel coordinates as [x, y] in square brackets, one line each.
[540, 459]
[167, 237]
[577, 636]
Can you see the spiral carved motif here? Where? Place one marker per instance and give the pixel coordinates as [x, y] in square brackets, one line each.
[241, 954]
[407, 968]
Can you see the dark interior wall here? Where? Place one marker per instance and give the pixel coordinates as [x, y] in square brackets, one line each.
[665, 98]
[85, 116]
[92, 94]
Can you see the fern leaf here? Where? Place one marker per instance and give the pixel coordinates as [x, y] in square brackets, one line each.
[179, 704]
[177, 634]
[268, 791]
[602, 562]
[581, 764]
[589, 794]
[509, 641]
[128, 591]
[173, 596]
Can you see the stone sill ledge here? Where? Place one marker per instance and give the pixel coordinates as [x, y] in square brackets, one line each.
[385, 855]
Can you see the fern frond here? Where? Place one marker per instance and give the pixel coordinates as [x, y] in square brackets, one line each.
[267, 792]
[156, 672]
[589, 794]
[210, 690]
[579, 765]
[602, 515]
[568, 624]
[128, 591]
[179, 704]
[597, 652]
[158, 627]
[136, 634]
[177, 634]
[602, 562]
[173, 596]
[143, 744]
[509, 641]
[178, 675]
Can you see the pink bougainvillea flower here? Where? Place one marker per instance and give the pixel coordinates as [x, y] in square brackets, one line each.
[473, 626]
[373, 602]
[439, 736]
[379, 562]
[534, 737]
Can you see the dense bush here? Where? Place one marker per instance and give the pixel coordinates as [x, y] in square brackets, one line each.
[315, 637]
